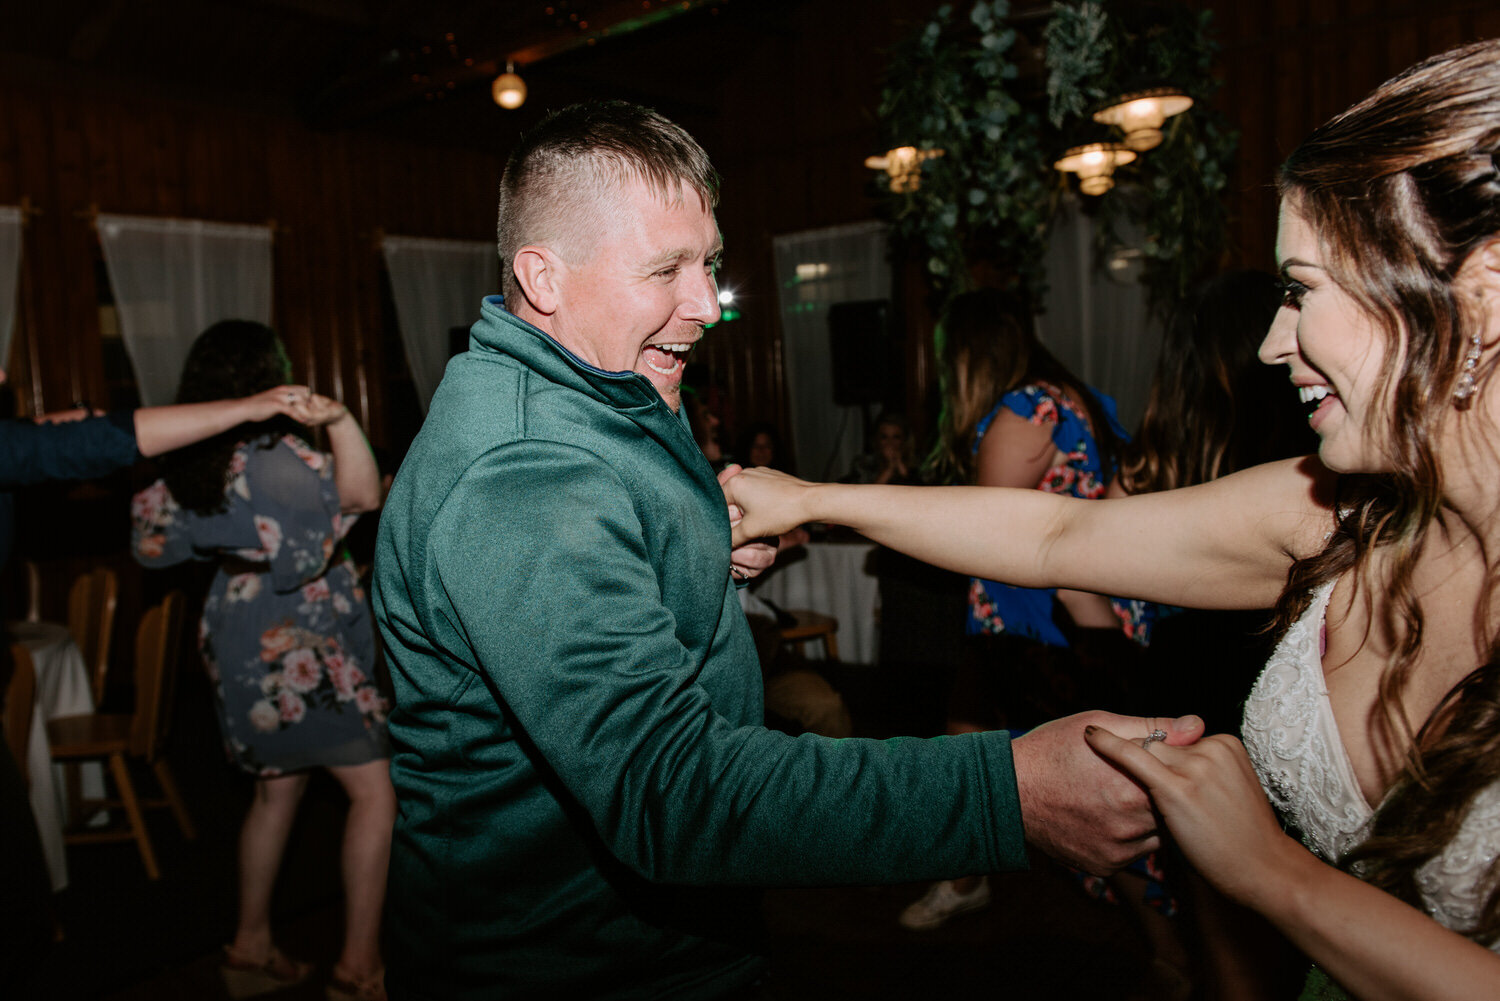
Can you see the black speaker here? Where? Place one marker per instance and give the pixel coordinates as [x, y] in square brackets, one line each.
[862, 351]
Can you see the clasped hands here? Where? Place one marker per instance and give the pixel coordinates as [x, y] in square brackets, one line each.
[1090, 785]
[299, 403]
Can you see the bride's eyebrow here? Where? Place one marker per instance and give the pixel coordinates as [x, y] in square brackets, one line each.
[1297, 262]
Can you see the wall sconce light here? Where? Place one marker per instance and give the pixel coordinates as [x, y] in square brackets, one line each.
[509, 90]
[903, 165]
[1095, 165]
[1140, 115]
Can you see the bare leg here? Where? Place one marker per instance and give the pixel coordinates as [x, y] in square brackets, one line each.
[262, 843]
[366, 854]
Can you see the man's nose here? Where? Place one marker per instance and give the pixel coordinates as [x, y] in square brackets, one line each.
[700, 298]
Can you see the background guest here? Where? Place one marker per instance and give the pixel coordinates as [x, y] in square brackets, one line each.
[1014, 416]
[892, 458]
[287, 638]
[79, 447]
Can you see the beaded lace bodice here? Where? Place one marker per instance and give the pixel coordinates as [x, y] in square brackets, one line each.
[1293, 741]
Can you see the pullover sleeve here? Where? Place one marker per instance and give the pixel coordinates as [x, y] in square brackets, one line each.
[545, 572]
[73, 450]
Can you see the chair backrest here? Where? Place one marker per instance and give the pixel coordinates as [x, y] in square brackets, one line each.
[157, 641]
[20, 698]
[91, 620]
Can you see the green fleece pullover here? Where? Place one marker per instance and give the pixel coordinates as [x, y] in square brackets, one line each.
[586, 791]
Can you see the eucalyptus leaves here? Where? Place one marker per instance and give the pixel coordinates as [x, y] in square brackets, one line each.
[987, 203]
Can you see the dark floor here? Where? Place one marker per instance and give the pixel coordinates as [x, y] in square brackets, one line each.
[125, 937]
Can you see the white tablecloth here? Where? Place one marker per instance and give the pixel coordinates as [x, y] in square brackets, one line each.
[832, 578]
[62, 689]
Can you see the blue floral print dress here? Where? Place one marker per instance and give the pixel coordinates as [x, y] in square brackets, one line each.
[1001, 608]
[286, 635]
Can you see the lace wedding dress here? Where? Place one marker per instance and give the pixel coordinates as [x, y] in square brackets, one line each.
[1294, 744]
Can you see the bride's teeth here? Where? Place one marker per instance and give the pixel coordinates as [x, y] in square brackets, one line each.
[1308, 394]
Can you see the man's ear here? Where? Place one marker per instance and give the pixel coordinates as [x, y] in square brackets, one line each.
[539, 272]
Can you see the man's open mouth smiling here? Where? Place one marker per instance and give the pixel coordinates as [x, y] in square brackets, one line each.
[666, 359]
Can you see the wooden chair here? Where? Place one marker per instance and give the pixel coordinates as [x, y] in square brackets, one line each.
[91, 620]
[813, 625]
[118, 737]
[20, 698]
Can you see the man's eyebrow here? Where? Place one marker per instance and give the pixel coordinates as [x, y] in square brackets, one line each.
[682, 254]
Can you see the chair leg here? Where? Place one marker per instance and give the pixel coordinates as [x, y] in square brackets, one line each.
[174, 799]
[121, 771]
[831, 646]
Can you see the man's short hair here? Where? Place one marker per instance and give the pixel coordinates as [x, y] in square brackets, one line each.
[556, 182]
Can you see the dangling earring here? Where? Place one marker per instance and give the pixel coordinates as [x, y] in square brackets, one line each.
[1462, 396]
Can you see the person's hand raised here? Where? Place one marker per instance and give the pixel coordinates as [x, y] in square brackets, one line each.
[317, 410]
[1077, 806]
[281, 401]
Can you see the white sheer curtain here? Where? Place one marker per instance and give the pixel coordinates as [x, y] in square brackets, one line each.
[437, 285]
[11, 222]
[1096, 320]
[173, 278]
[814, 270]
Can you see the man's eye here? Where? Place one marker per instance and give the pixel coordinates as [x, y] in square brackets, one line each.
[666, 272]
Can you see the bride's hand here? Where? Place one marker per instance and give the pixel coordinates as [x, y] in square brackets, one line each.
[1212, 800]
[771, 503]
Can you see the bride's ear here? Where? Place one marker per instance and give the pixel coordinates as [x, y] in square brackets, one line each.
[1480, 277]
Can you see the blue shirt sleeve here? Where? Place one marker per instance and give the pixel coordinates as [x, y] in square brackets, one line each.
[75, 450]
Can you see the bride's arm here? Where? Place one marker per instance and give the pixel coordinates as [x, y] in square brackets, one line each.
[1375, 946]
[1224, 544]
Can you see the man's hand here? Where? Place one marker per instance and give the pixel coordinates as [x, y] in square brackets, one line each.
[1078, 807]
[755, 556]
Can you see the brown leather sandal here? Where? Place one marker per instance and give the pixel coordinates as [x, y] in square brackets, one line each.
[344, 988]
[245, 978]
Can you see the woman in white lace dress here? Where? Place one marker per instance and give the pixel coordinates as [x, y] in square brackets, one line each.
[1375, 728]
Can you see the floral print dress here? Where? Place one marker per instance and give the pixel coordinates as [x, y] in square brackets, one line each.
[286, 635]
[1001, 608]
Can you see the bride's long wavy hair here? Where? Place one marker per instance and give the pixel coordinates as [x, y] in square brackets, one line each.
[1401, 189]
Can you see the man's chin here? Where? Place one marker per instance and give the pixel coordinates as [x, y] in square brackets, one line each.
[668, 387]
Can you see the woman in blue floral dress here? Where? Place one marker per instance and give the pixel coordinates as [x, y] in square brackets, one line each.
[286, 637]
[1014, 416]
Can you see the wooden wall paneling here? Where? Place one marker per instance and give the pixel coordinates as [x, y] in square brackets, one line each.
[346, 334]
[166, 140]
[207, 192]
[71, 350]
[367, 393]
[10, 151]
[285, 174]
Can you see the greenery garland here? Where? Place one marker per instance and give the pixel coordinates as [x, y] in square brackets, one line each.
[989, 200]
[950, 87]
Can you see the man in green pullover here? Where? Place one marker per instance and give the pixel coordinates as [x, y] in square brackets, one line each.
[587, 794]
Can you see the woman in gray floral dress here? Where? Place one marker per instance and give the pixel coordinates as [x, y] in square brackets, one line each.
[286, 638]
